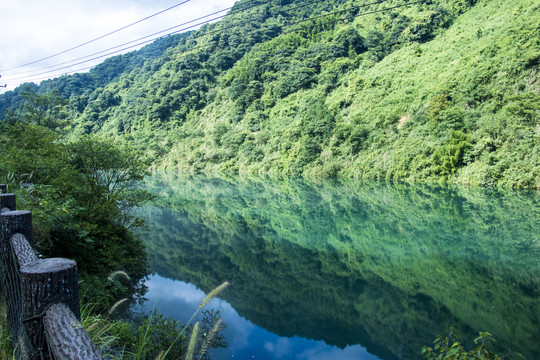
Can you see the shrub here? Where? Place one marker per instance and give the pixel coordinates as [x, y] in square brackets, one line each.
[448, 158]
[443, 350]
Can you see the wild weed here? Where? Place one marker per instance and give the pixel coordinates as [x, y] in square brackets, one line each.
[155, 337]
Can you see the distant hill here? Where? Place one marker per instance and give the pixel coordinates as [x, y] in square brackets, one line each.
[442, 90]
[110, 70]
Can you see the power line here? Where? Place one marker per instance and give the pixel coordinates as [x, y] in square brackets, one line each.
[249, 6]
[319, 17]
[339, 12]
[152, 36]
[287, 25]
[98, 38]
[37, 76]
[297, 22]
[355, 16]
[290, 24]
[114, 52]
[126, 43]
[235, 25]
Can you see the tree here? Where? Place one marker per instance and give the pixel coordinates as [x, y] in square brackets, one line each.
[46, 110]
[110, 176]
[81, 195]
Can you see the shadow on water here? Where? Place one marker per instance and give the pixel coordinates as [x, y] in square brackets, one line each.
[387, 266]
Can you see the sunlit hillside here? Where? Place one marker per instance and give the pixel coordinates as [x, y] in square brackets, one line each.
[427, 91]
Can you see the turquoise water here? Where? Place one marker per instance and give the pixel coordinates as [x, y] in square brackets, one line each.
[346, 270]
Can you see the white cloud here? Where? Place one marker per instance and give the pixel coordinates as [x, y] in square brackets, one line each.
[280, 349]
[178, 299]
[325, 352]
[34, 29]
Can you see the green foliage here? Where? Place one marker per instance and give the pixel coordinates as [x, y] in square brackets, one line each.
[396, 84]
[449, 157]
[525, 107]
[448, 348]
[152, 336]
[81, 195]
[43, 110]
[437, 105]
[358, 138]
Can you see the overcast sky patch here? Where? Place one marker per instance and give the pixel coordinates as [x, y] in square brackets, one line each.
[34, 29]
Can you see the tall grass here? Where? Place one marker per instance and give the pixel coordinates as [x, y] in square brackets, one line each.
[154, 338]
[6, 347]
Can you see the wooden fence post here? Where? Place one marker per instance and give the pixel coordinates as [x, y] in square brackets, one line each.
[42, 295]
[67, 338]
[8, 202]
[12, 223]
[43, 283]
[17, 222]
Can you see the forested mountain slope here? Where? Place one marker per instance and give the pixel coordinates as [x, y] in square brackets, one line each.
[72, 86]
[428, 91]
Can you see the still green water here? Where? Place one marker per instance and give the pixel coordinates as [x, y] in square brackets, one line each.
[384, 266]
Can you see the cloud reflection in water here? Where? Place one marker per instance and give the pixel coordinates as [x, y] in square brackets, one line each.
[178, 299]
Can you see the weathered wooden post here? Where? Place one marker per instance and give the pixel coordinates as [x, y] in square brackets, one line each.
[15, 222]
[8, 202]
[43, 283]
[67, 338]
[42, 295]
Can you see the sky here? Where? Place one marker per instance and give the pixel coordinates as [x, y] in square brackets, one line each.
[35, 29]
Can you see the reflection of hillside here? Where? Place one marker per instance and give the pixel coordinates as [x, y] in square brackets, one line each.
[388, 267]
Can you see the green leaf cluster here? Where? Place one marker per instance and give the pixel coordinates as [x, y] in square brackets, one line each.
[390, 89]
[81, 195]
[449, 349]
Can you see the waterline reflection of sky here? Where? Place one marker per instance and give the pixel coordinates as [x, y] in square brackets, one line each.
[178, 299]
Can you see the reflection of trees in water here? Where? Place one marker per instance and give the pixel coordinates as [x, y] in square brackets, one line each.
[386, 266]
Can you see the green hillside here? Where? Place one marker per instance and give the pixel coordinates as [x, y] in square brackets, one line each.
[441, 90]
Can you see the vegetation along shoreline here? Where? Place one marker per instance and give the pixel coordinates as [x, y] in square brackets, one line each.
[443, 91]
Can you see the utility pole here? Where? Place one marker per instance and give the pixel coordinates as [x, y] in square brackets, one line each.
[5, 85]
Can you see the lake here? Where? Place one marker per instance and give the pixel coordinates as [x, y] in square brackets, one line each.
[344, 269]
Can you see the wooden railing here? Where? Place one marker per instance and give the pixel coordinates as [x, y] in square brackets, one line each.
[42, 295]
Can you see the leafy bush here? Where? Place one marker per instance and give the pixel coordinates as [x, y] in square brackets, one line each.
[81, 195]
[449, 157]
[448, 348]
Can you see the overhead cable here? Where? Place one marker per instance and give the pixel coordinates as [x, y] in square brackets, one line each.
[116, 51]
[286, 25]
[126, 43]
[151, 36]
[98, 38]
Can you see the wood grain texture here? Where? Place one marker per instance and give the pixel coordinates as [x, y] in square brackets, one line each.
[24, 253]
[66, 337]
[43, 283]
[8, 201]
[14, 222]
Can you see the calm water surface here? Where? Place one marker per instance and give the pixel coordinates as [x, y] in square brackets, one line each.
[346, 270]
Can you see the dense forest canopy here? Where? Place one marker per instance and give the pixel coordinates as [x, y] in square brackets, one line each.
[442, 90]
